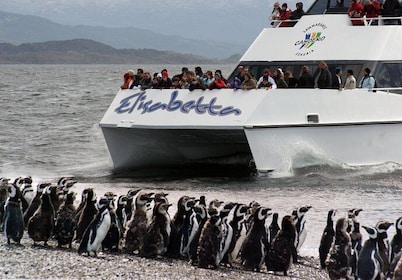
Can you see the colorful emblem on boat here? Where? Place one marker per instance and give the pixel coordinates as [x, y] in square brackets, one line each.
[312, 34]
[139, 102]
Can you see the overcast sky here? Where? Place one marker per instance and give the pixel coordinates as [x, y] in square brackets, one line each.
[234, 21]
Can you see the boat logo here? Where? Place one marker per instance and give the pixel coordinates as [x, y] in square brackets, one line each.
[312, 34]
[139, 102]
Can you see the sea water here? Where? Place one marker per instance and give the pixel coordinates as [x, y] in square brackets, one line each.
[49, 127]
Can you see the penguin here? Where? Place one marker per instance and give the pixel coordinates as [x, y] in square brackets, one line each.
[19, 183]
[256, 244]
[121, 203]
[180, 215]
[281, 250]
[188, 228]
[36, 201]
[273, 228]
[114, 235]
[28, 193]
[396, 267]
[13, 220]
[41, 224]
[161, 197]
[369, 265]
[65, 184]
[339, 258]
[327, 237]
[226, 232]
[66, 224]
[97, 230]
[208, 245]
[87, 214]
[384, 246]
[157, 238]
[396, 242]
[300, 223]
[355, 235]
[200, 210]
[237, 224]
[55, 197]
[128, 209]
[4, 186]
[138, 224]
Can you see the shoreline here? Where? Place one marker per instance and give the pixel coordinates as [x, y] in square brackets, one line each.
[41, 262]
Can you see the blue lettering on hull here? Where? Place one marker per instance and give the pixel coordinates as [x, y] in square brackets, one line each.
[139, 102]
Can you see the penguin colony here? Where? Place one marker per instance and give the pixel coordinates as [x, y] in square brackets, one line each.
[207, 234]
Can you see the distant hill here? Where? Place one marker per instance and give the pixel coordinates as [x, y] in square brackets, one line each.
[18, 29]
[84, 51]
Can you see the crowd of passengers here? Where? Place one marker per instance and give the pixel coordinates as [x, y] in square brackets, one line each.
[283, 16]
[245, 80]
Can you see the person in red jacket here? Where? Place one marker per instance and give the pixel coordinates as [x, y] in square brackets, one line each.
[285, 14]
[217, 82]
[356, 11]
[372, 10]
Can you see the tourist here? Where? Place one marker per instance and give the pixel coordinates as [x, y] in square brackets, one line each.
[371, 10]
[275, 14]
[267, 74]
[280, 80]
[146, 81]
[322, 76]
[194, 82]
[391, 8]
[368, 80]
[356, 11]
[337, 80]
[217, 83]
[198, 71]
[306, 80]
[290, 80]
[235, 84]
[248, 83]
[128, 80]
[207, 78]
[285, 14]
[165, 82]
[265, 83]
[298, 13]
[350, 80]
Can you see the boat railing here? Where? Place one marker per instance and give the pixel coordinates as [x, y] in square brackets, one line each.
[374, 21]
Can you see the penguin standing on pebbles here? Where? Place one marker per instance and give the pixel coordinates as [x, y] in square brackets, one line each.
[28, 193]
[208, 245]
[36, 201]
[138, 224]
[300, 223]
[13, 220]
[339, 259]
[327, 237]
[384, 246]
[202, 217]
[369, 265]
[112, 239]
[396, 242]
[87, 214]
[97, 230]
[157, 238]
[256, 244]
[355, 236]
[41, 224]
[282, 248]
[66, 225]
[273, 228]
[4, 186]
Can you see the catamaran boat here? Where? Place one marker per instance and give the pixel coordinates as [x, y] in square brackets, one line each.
[277, 129]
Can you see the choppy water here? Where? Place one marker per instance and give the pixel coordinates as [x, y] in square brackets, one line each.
[49, 128]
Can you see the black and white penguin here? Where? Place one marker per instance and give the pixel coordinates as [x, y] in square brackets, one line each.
[397, 272]
[355, 235]
[121, 204]
[87, 214]
[384, 246]
[115, 233]
[130, 205]
[66, 224]
[396, 242]
[282, 249]
[13, 220]
[157, 238]
[19, 183]
[369, 265]
[226, 216]
[300, 223]
[255, 246]
[4, 186]
[189, 227]
[327, 237]
[28, 193]
[208, 245]
[200, 210]
[237, 218]
[339, 258]
[273, 227]
[138, 224]
[35, 202]
[41, 224]
[97, 230]
[65, 184]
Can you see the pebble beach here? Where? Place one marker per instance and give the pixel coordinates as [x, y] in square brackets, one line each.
[39, 262]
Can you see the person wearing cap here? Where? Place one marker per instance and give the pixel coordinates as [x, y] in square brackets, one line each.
[165, 82]
[275, 14]
[350, 80]
[322, 76]
[337, 80]
[368, 80]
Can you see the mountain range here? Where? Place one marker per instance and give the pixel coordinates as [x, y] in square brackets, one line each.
[18, 29]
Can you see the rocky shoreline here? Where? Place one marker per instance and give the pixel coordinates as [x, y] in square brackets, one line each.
[39, 262]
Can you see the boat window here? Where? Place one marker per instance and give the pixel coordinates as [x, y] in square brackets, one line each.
[328, 7]
[389, 75]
